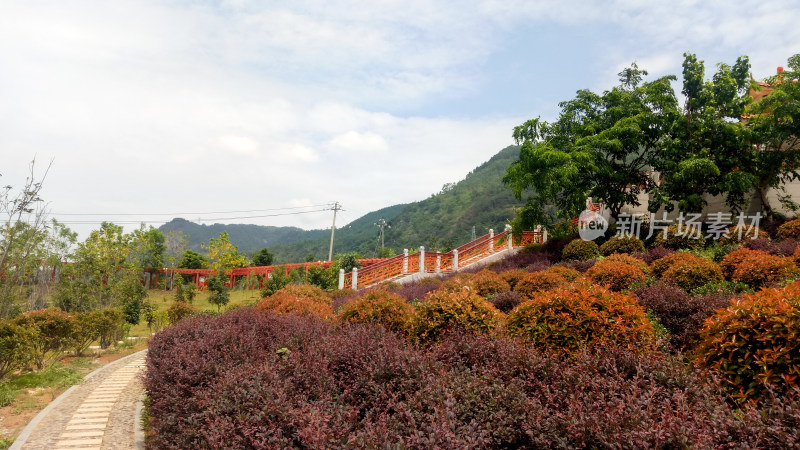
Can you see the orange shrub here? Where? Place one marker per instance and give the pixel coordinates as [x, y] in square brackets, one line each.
[459, 282]
[691, 273]
[734, 258]
[378, 306]
[441, 311]
[487, 282]
[578, 315]
[301, 300]
[630, 260]
[538, 281]
[789, 230]
[753, 343]
[617, 275]
[660, 266]
[567, 273]
[512, 277]
[761, 269]
[622, 244]
[734, 238]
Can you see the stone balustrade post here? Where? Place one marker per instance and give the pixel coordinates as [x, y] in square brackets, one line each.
[341, 279]
[491, 240]
[438, 263]
[455, 260]
[509, 237]
[421, 259]
[405, 260]
[355, 279]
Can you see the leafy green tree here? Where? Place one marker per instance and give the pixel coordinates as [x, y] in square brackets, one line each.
[147, 248]
[346, 261]
[276, 281]
[386, 252]
[193, 260]
[130, 293]
[220, 294]
[264, 257]
[602, 145]
[775, 126]
[707, 152]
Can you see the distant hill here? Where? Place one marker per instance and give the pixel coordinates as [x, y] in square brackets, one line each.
[443, 220]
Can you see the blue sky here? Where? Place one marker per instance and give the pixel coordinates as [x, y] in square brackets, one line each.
[162, 107]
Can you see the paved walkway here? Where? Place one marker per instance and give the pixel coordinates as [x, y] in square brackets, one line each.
[99, 413]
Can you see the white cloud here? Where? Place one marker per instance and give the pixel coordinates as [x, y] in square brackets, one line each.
[353, 141]
[239, 145]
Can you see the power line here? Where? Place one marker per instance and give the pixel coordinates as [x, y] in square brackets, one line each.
[191, 213]
[124, 222]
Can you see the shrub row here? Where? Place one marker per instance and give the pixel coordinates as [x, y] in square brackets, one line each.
[250, 379]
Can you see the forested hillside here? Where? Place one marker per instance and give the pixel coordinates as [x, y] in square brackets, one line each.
[442, 221]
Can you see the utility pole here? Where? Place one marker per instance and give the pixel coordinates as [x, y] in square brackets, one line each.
[336, 207]
[382, 223]
[473, 233]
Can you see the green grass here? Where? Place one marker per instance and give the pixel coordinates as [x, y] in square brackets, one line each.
[58, 375]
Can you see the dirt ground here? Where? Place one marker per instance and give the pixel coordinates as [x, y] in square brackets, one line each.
[14, 417]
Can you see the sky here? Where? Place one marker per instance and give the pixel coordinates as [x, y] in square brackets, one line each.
[238, 111]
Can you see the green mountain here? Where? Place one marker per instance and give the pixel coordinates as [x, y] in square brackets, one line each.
[442, 221]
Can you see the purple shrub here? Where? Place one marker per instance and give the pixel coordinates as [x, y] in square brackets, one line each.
[679, 313]
[653, 254]
[785, 247]
[580, 266]
[250, 379]
[416, 291]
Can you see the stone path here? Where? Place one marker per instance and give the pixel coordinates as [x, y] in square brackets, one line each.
[99, 413]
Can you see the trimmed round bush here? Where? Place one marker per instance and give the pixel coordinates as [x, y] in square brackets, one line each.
[622, 244]
[380, 307]
[54, 331]
[16, 347]
[678, 242]
[487, 282]
[301, 300]
[757, 268]
[538, 281]
[789, 230]
[754, 342]
[691, 273]
[578, 315]
[630, 260]
[616, 275]
[459, 282]
[659, 266]
[580, 250]
[442, 311]
[738, 235]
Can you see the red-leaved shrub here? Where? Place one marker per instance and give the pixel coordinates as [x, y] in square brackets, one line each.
[513, 276]
[378, 306]
[443, 311]
[571, 317]
[565, 272]
[487, 282]
[302, 300]
[538, 281]
[789, 230]
[757, 268]
[615, 274]
[754, 342]
[248, 379]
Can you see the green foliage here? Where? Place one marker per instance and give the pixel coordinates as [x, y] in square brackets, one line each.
[753, 343]
[602, 145]
[678, 238]
[276, 281]
[53, 330]
[264, 257]
[347, 261]
[692, 273]
[569, 318]
[220, 294]
[109, 324]
[16, 346]
[148, 248]
[580, 250]
[130, 294]
[622, 244]
[193, 260]
[223, 255]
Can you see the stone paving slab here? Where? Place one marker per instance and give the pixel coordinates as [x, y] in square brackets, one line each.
[99, 413]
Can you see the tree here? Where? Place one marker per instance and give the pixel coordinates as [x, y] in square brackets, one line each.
[22, 236]
[223, 255]
[602, 145]
[264, 257]
[147, 248]
[219, 291]
[175, 243]
[193, 260]
[775, 126]
[707, 152]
